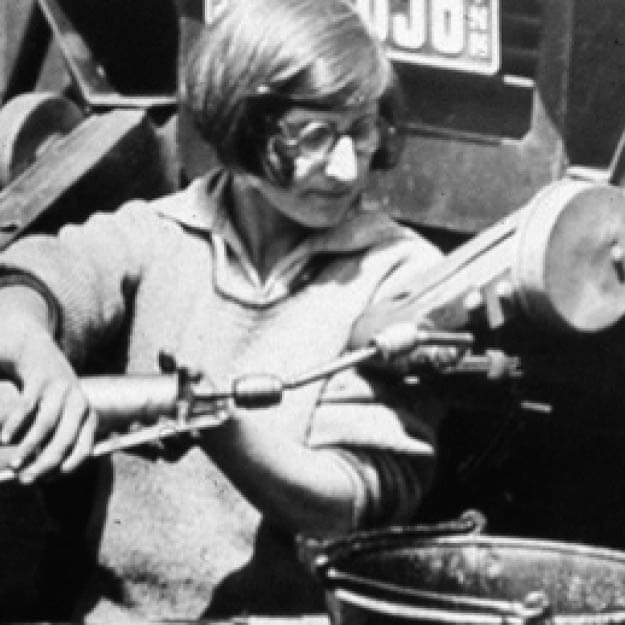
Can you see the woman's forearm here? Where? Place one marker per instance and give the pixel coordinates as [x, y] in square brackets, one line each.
[302, 489]
[26, 317]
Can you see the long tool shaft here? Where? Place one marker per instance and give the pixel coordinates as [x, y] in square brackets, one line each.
[193, 406]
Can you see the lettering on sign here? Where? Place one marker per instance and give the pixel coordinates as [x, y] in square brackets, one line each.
[455, 34]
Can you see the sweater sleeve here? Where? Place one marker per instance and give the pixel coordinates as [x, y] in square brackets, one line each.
[385, 436]
[88, 273]
[388, 487]
[393, 299]
[383, 431]
[412, 270]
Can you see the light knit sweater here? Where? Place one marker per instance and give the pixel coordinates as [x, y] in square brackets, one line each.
[176, 539]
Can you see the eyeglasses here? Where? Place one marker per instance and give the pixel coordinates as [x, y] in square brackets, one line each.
[317, 138]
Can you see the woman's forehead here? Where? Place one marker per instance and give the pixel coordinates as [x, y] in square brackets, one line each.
[300, 114]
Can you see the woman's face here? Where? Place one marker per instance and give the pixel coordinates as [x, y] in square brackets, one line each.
[331, 152]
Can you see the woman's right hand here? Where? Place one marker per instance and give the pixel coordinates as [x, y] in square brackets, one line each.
[50, 424]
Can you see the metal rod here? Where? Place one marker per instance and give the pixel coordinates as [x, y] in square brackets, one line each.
[338, 364]
[167, 428]
[146, 398]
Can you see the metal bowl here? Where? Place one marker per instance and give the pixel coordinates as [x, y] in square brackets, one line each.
[419, 575]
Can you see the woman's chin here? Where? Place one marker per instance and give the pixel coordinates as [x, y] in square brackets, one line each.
[321, 212]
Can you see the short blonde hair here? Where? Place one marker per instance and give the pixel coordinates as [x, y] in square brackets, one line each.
[258, 56]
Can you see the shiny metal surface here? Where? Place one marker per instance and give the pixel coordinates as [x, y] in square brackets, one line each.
[402, 575]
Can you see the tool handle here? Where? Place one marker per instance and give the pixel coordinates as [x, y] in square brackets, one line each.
[123, 398]
[402, 338]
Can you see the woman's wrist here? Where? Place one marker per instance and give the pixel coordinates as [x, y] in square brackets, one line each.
[24, 307]
[26, 326]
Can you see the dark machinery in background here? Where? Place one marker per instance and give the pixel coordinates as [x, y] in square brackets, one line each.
[504, 99]
[91, 108]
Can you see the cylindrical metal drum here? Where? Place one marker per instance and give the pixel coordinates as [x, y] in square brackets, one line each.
[569, 269]
[558, 261]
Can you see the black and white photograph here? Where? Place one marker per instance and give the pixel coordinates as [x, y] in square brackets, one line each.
[312, 312]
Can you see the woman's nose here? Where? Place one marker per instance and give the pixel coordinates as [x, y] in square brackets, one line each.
[342, 163]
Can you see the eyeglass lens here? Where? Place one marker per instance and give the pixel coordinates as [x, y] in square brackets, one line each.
[318, 138]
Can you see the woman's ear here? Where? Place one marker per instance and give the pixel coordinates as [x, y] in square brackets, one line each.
[391, 147]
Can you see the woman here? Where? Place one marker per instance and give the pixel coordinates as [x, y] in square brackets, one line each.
[261, 265]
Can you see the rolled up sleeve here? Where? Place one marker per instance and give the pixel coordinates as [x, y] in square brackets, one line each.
[385, 440]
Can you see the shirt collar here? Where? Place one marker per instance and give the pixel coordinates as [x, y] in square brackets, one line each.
[203, 206]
